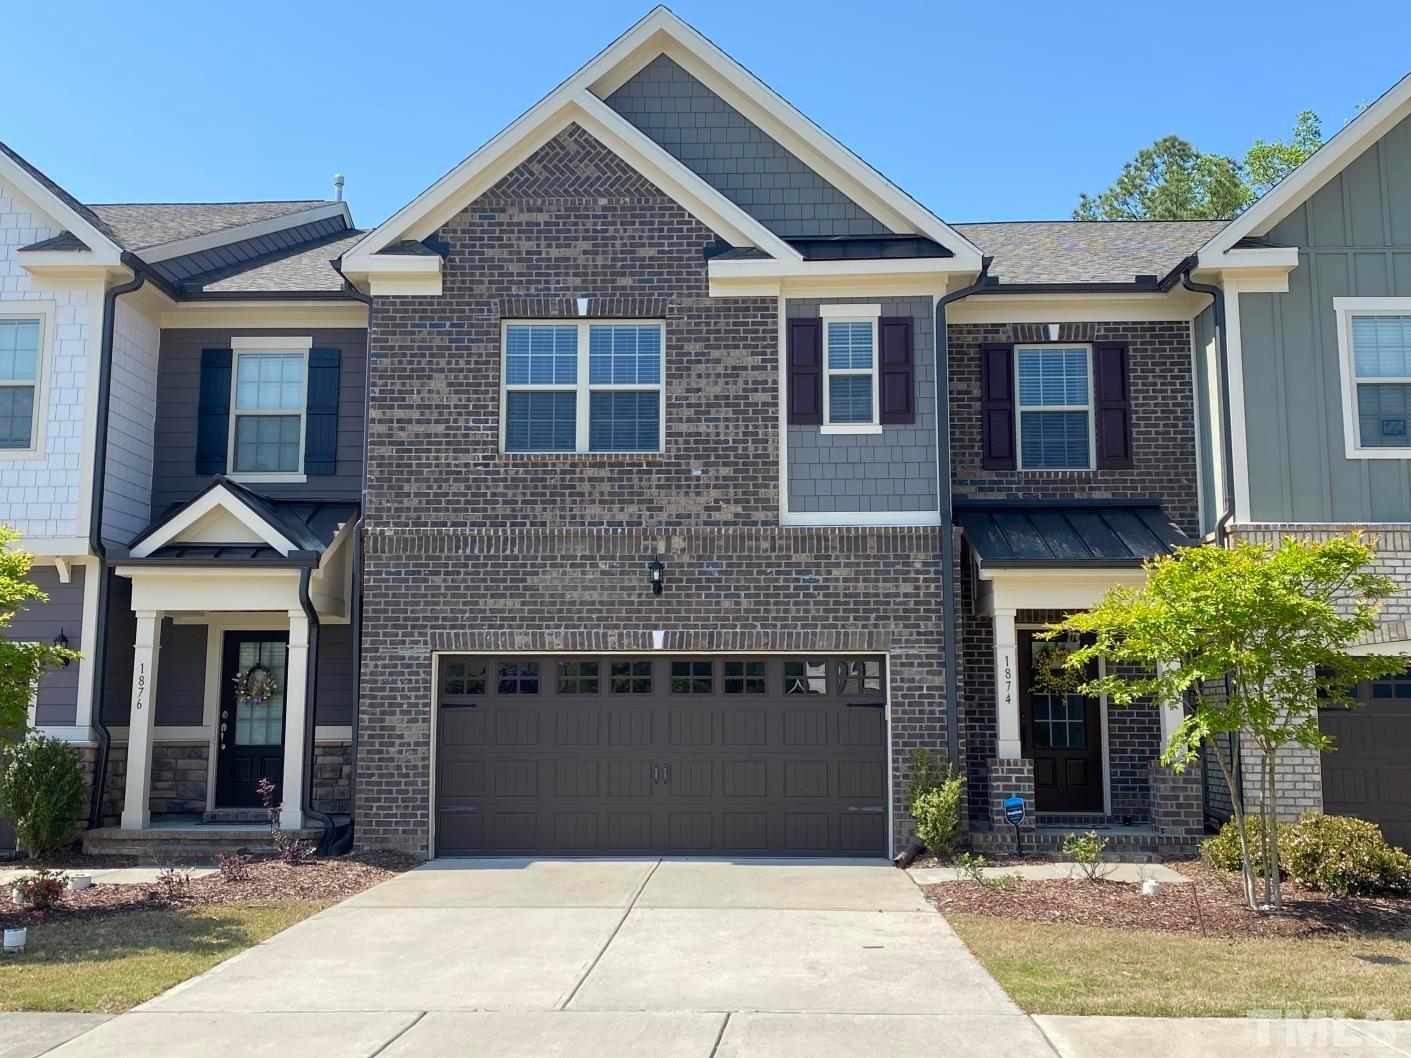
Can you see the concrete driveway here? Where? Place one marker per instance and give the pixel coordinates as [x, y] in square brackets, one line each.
[596, 959]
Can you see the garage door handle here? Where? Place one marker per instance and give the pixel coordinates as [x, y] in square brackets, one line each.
[867, 705]
[458, 808]
[656, 774]
[865, 808]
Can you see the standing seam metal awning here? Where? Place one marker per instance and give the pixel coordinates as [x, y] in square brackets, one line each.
[1066, 534]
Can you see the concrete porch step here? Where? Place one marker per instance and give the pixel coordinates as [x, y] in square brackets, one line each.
[236, 815]
[185, 844]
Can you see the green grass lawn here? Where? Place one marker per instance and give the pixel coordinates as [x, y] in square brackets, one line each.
[1059, 969]
[111, 964]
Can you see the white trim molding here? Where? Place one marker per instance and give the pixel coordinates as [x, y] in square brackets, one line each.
[43, 313]
[1347, 309]
[219, 498]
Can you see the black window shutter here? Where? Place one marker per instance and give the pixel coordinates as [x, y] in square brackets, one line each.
[213, 412]
[321, 418]
[1112, 388]
[997, 406]
[805, 356]
[896, 385]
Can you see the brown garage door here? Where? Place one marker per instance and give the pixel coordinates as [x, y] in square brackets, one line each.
[698, 755]
[1368, 773]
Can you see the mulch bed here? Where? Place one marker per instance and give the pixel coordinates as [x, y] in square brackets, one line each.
[1212, 905]
[265, 880]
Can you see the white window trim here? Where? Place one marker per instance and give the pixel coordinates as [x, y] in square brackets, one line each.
[1346, 309]
[44, 312]
[266, 344]
[1087, 408]
[850, 314]
[582, 388]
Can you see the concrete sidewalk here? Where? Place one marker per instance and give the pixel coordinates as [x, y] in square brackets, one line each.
[636, 958]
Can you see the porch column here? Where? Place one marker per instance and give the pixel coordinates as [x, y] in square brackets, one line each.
[1172, 712]
[291, 816]
[1006, 686]
[141, 722]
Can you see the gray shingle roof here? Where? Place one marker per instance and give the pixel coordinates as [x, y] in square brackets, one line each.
[1071, 251]
[302, 269]
[140, 225]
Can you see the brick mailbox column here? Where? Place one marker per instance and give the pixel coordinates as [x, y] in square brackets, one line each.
[1177, 802]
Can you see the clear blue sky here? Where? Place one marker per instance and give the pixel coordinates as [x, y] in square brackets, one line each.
[990, 111]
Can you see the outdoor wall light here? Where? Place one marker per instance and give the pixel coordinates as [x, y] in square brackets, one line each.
[62, 642]
[656, 569]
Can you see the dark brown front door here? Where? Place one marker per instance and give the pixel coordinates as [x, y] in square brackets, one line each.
[1367, 773]
[250, 746]
[686, 755]
[1062, 731]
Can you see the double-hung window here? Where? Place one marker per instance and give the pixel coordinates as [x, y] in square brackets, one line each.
[583, 386]
[1374, 336]
[267, 407]
[1055, 407]
[850, 368]
[19, 382]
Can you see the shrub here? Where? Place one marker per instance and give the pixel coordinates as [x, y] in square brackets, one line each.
[40, 890]
[234, 867]
[934, 796]
[173, 884]
[1086, 851]
[41, 790]
[1344, 856]
[1223, 850]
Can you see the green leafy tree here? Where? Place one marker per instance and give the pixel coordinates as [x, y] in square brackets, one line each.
[21, 664]
[1277, 621]
[1265, 164]
[1170, 180]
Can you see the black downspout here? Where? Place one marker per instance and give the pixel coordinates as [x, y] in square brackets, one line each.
[311, 710]
[98, 649]
[943, 487]
[1227, 445]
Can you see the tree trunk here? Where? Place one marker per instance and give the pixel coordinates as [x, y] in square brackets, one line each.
[1237, 806]
[1275, 871]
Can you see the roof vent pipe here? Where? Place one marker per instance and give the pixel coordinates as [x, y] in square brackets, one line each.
[338, 187]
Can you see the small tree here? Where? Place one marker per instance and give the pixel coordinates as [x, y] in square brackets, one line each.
[1277, 622]
[21, 664]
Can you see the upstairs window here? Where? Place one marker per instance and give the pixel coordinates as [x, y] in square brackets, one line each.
[1374, 336]
[19, 383]
[267, 412]
[850, 368]
[583, 387]
[1055, 407]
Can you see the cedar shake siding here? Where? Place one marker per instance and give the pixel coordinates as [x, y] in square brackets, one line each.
[469, 549]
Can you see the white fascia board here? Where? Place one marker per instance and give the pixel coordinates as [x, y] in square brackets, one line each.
[1329, 160]
[222, 498]
[197, 243]
[1258, 268]
[76, 263]
[781, 121]
[487, 166]
[56, 209]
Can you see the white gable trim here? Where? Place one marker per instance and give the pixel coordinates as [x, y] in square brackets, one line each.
[102, 250]
[774, 115]
[219, 498]
[483, 169]
[1329, 160]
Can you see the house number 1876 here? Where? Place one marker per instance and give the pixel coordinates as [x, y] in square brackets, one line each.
[141, 684]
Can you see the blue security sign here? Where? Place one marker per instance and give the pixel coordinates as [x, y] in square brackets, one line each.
[1014, 810]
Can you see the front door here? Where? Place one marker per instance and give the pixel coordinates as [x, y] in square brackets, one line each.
[1062, 730]
[250, 743]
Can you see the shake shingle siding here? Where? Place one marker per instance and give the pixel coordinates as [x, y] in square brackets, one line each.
[470, 549]
[735, 156]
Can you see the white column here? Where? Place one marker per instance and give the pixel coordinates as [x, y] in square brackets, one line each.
[146, 647]
[291, 816]
[1172, 711]
[1006, 686]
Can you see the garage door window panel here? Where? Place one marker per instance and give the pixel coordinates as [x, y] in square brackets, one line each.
[859, 677]
[805, 677]
[517, 677]
[746, 677]
[692, 677]
[578, 677]
[631, 677]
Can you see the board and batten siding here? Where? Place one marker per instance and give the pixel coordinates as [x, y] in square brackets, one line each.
[175, 479]
[1354, 239]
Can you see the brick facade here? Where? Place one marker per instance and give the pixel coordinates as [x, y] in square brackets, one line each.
[468, 548]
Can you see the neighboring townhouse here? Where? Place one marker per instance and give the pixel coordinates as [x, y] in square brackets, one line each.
[658, 531]
[204, 362]
[1316, 281]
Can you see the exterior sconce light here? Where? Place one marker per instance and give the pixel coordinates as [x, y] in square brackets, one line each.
[62, 642]
[656, 569]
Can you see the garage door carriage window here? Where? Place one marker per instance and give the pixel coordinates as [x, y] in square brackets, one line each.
[745, 677]
[578, 677]
[805, 677]
[692, 677]
[859, 677]
[582, 386]
[518, 677]
[631, 677]
[460, 678]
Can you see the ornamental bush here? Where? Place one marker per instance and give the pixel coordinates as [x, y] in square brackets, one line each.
[934, 797]
[41, 790]
[1341, 855]
[1344, 856]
